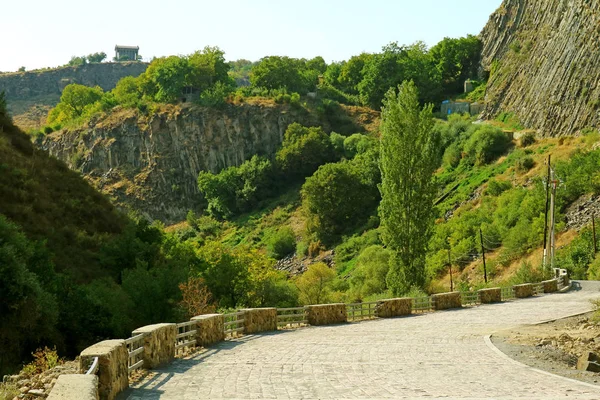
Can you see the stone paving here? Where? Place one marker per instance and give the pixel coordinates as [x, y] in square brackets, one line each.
[434, 355]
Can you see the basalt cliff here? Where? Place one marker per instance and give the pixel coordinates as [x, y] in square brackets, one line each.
[150, 163]
[543, 57]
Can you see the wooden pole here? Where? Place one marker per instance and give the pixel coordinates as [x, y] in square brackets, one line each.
[483, 255]
[552, 221]
[450, 265]
[545, 254]
[594, 231]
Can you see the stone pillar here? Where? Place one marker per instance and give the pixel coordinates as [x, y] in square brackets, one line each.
[259, 320]
[393, 307]
[159, 344]
[444, 301]
[523, 290]
[209, 329]
[323, 314]
[550, 285]
[490, 295]
[113, 374]
[75, 387]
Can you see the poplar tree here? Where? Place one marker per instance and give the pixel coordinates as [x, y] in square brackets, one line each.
[409, 157]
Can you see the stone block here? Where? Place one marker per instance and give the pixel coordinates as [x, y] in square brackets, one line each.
[444, 301]
[588, 362]
[550, 286]
[75, 387]
[393, 307]
[113, 375]
[490, 295]
[323, 314]
[159, 344]
[523, 290]
[260, 320]
[209, 329]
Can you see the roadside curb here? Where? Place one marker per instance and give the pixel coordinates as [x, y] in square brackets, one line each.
[488, 341]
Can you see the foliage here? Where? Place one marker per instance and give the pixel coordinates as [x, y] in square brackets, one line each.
[495, 187]
[409, 150]
[275, 72]
[524, 164]
[456, 60]
[43, 360]
[510, 121]
[281, 243]
[96, 57]
[75, 101]
[315, 286]
[485, 144]
[577, 256]
[369, 276]
[196, 297]
[77, 61]
[527, 139]
[127, 92]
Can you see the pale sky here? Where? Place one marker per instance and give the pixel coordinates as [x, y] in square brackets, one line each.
[46, 33]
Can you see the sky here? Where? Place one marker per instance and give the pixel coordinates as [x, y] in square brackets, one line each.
[47, 33]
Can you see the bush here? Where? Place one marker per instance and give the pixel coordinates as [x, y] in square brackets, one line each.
[281, 243]
[486, 144]
[496, 187]
[524, 164]
[48, 130]
[527, 139]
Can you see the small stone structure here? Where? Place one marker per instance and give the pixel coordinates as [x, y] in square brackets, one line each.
[550, 286]
[444, 301]
[490, 295]
[260, 320]
[393, 307]
[159, 343]
[113, 375]
[75, 386]
[323, 314]
[523, 290]
[209, 329]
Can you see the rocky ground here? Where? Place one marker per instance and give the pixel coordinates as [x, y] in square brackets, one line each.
[554, 346]
[37, 386]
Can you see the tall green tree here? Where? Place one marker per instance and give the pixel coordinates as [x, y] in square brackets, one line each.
[409, 157]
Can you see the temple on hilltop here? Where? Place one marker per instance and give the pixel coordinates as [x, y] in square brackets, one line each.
[126, 53]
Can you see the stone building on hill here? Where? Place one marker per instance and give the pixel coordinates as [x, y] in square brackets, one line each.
[126, 53]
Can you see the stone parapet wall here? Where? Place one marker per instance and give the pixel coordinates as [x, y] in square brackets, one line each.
[393, 307]
[260, 320]
[75, 386]
[209, 329]
[490, 295]
[444, 301]
[550, 285]
[523, 290]
[159, 343]
[324, 314]
[113, 375]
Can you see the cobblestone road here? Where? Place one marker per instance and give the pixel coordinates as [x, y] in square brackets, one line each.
[435, 355]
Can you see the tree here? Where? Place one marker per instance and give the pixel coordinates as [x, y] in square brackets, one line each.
[127, 92]
[96, 57]
[409, 157]
[22, 69]
[276, 72]
[352, 73]
[315, 285]
[207, 67]
[196, 298]
[165, 78]
[372, 267]
[456, 60]
[76, 61]
[74, 102]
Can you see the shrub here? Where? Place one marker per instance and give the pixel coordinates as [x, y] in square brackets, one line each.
[527, 139]
[486, 143]
[496, 187]
[281, 243]
[524, 164]
[48, 130]
[43, 360]
[315, 248]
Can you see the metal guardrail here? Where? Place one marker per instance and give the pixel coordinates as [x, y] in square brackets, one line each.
[290, 317]
[186, 335]
[470, 298]
[233, 323]
[358, 311]
[93, 368]
[538, 288]
[507, 293]
[135, 348]
[422, 304]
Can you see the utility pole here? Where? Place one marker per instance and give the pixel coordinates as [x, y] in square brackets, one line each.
[483, 255]
[545, 256]
[450, 265]
[552, 220]
[594, 231]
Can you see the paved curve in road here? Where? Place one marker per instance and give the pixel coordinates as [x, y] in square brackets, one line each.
[434, 355]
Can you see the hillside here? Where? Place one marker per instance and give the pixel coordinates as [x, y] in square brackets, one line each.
[544, 64]
[150, 162]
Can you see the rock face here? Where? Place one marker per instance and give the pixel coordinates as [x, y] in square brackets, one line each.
[544, 64]
[151, 162]
[46, 86]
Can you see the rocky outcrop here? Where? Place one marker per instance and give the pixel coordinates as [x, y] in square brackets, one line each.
[151, 162]
[544, 63]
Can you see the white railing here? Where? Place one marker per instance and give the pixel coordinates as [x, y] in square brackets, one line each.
[507, 293]
[135, 348]
[538, 288]
[186, 335]
[422, 304]
[469, 298]
[291, 317]
[233, 323]
[358, 311]
[93, 368]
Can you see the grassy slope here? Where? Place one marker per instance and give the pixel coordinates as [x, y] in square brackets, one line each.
[52, 203]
